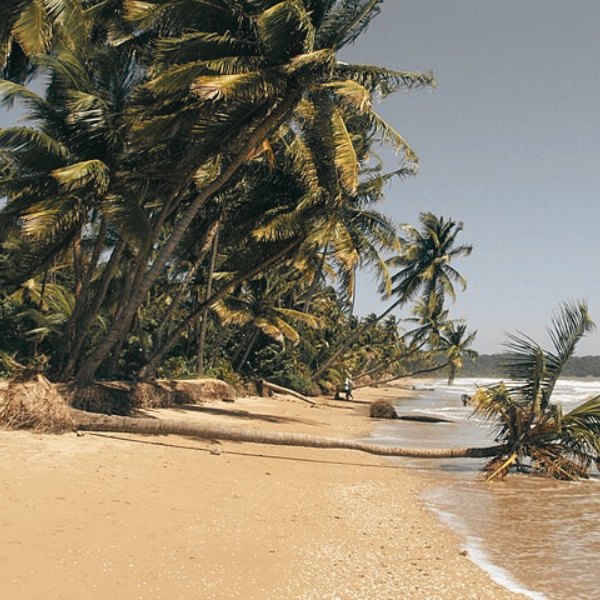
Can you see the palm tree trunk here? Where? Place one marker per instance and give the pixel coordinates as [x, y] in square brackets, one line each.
[317, 277]
[88, 369]
[352, 338]
[94, 422]
[183, 286]
[204, 316]
[82, 298]
[170, 342]
[87, 317]
[249, 347]
[141, 335]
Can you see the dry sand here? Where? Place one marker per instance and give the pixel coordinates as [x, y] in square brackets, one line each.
[128, 517]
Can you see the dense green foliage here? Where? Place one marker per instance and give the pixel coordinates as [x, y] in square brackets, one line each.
[194, 189]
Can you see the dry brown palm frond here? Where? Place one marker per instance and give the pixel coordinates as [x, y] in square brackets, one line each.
[37, 405]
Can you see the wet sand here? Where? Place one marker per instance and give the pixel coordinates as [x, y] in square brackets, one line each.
[124, 516]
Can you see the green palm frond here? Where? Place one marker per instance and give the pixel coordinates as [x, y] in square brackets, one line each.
[31, 140]
[307, 319]
[286, 30]
[381, 81]
[12, 91]
[254, 87]
[345, 21]
[318, 63]
[202, 46]
[345, 155]
[147, 14]
[580, 429]
[67, 69]
[391, 136]
[570, 324]
[69, 17]
[52, 217]
[34, 30]
[81, 173]
[353, 92]
[496, 405]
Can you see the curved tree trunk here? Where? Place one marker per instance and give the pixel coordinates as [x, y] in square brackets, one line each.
[93, 422]
[87, 370]
[204, 316]
[351, 339]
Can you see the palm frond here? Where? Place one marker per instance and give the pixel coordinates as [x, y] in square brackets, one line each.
[285, 30]
[345, 155]
[81, 173]
[570, 324]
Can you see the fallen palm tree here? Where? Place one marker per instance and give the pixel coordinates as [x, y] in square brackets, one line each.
[38, 406]
[92, 422]
[533, 433]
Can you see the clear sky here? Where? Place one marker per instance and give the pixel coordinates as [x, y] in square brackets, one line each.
[509, 145]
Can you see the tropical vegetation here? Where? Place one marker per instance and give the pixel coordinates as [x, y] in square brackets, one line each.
[194, 189]
[534, 434]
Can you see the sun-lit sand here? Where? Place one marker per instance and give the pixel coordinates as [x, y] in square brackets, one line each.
[124, 516]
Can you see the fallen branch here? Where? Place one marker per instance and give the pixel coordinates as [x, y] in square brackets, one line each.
[278, 389]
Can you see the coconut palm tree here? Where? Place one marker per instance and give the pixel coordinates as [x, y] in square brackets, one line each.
[535, 433]
[425, 260]
[226, 77]
[93, 422]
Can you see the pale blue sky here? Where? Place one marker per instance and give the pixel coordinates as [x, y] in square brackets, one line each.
[508, 144]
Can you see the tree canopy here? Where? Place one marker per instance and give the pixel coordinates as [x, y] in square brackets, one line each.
[194, 187]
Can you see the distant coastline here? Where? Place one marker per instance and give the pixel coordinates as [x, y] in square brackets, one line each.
[493, 365]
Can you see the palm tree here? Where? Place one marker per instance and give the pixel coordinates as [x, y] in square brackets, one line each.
[425, 260]
[255, 306]
[226, 77]
[534, 432]
[454, 344]
[93, 422]
[529, 426]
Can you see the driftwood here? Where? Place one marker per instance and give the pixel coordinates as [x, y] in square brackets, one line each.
[278, 389]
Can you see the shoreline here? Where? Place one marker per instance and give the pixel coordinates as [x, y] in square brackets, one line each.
[99, 515]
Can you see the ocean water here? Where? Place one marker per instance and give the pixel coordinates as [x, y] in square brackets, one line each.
[533, 535]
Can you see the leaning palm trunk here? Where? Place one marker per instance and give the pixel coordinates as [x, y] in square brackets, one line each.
[351, 339]
[159, 353]
[145, 280]
[93, 422]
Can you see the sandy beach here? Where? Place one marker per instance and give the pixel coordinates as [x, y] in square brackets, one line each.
[131, 517]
